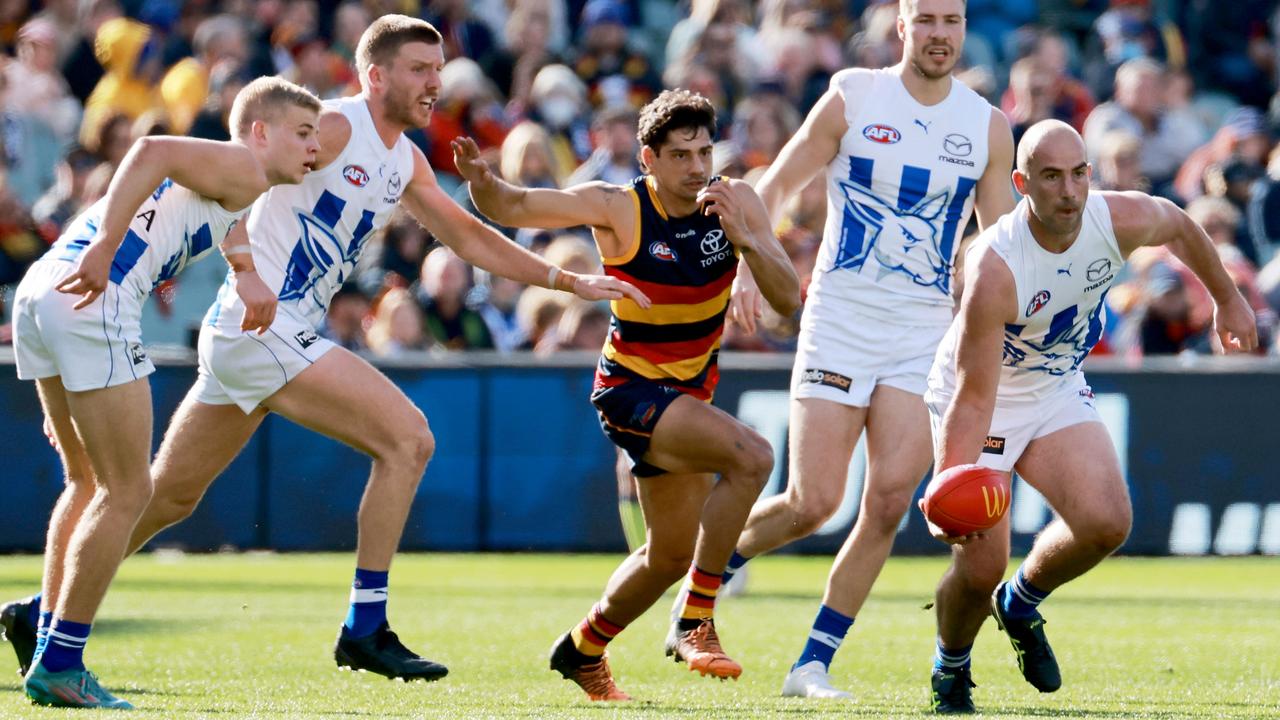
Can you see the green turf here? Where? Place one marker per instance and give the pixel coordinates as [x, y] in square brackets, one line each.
[232, 636]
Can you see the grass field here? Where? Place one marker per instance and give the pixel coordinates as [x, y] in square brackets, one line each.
[232, 636]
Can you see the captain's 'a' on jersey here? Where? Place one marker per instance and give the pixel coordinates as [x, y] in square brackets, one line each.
[686, 266]
[899, 194]
[307, 237]
[174, 227]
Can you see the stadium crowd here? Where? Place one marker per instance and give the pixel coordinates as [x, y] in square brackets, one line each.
[1177, 98]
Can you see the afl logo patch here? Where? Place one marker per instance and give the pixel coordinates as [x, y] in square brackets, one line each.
[355, 175]
[1038, 302]
[660, 250]
[882, 134]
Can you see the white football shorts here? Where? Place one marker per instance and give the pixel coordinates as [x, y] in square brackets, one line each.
[842, 355]
[1014, 425]
[247, 368]
[98, 346]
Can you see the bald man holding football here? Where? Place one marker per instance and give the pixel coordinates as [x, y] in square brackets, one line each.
[1006, 392]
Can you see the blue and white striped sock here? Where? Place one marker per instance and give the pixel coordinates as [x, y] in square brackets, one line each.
[368, 603]
[736, 562]
[958, 659]
[42, 631]
[64, 649]
[829, 629]
[1020, 597]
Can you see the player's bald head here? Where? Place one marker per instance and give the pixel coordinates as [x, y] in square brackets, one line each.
[1050, 139]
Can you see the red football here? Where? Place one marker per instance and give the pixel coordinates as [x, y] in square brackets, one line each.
[967, 499]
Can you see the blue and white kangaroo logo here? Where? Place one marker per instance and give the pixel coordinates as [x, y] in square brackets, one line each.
[920, 255]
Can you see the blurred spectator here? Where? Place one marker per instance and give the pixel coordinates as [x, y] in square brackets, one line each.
[525, 158]
[495, 298]
[1230, 47]
[33, 84]
[614, 72]
[560, 105]
[1234, 181]
[344, 324]
[572, 253]
[582, 326]
[212, 122]
[64, 200]
[735, 15]
[468, 105]
[878, 45]
[81, 68]
[1129, 30]
[762, 124]
[527, 34]
[1040, 86]
[715, 50]
[1262, 215]
[314, 67]
[1139, 108]
[185, 87]
[397, 326]
[464, 35]
[128, 87]
[349, 22]
[615, 159]
[538, 311]
[1119, 163]
[1162, 318]
[1243, 135]
[442, 293]
[20, 242]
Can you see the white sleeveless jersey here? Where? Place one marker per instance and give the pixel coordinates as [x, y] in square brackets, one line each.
[899, 194]
[307, 237]
[1060, 303]
[173, 228]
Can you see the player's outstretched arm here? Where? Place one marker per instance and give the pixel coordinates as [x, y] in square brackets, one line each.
[593, 204]
[484, 247]
[222, 171]
[259, 302]
[1141, 220]
[746, 225]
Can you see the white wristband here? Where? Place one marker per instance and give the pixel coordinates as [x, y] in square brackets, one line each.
[238, 250]
[552, 274]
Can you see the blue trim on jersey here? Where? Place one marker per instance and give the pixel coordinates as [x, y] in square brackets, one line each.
[164, 185]
[951, 226]
[362, 229]
[853, 234]
[912, 187]
[192, 246]
[329, 208]
[127, 256]
[1060, 325]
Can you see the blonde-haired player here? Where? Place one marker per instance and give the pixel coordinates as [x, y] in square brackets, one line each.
[76, 333]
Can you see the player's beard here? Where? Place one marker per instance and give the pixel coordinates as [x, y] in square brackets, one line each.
[400, 107]
[923, 69]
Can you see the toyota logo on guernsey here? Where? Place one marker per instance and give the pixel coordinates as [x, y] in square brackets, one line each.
[355, 175]
[882, 134]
